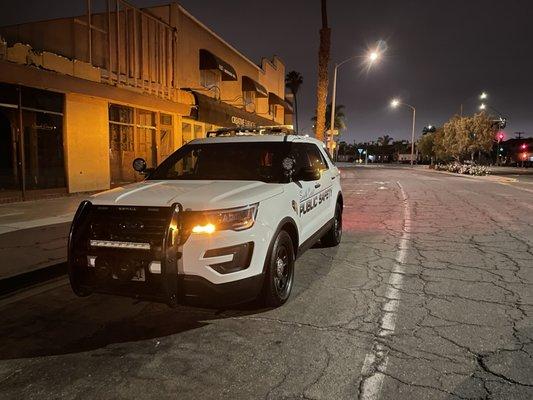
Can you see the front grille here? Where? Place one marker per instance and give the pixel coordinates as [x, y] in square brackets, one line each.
[129, 224]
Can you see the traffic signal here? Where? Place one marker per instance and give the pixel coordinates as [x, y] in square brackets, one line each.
[523, 147]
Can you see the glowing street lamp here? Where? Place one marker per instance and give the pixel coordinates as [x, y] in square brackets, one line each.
[483, 95]
[482, 106]
[373, 56]
[394, 104]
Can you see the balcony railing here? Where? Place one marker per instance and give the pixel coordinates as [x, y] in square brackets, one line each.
[132, 47]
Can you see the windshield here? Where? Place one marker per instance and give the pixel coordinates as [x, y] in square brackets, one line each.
[251, 161]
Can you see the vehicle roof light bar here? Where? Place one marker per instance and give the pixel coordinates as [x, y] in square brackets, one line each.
[250, 131]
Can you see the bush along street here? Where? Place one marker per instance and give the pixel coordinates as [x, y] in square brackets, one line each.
[465, 169]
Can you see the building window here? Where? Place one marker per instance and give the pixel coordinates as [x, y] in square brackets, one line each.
[249, 100]
[121, 143]
[272, 110]
[210, 78]
[198, 131]
[186, 132]
[165, 136]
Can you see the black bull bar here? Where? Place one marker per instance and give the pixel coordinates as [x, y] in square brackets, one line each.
[81, 277]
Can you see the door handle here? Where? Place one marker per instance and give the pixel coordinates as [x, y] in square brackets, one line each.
[317, 185]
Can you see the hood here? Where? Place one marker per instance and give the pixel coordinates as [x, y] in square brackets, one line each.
[193, 195]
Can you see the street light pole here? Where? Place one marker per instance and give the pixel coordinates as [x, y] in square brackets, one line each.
[396, 103]
[333, 100]
[329, 137]
[372, 56]
[413, 136]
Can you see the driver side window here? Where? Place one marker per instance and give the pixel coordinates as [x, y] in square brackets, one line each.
[301, 159]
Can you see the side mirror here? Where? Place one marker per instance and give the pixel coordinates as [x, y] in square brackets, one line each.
[308, 174]
[139, 165]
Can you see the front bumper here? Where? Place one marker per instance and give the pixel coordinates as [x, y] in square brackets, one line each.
[195, 270]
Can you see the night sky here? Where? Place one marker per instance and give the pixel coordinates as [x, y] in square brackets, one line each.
[440, 53]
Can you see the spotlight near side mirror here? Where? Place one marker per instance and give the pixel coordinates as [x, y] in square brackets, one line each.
[139, 165]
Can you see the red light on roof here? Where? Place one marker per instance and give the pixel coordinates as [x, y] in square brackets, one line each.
[500, 135]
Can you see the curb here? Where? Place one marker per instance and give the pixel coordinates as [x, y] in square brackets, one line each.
[17, 283]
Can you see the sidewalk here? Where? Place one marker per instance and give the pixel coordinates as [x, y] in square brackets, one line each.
[33, 234]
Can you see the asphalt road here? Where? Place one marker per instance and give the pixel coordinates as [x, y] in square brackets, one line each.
[429, 296]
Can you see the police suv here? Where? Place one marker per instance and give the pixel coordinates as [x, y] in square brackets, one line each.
[220, 221]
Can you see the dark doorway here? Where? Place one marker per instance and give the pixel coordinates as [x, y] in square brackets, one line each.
[8, 162]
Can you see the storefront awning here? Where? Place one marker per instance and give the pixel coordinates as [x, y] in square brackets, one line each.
[275, 99]
[210, 61]
[250, 85]
[212, 111]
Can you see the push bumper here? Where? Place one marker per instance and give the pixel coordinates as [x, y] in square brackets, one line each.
[128, 272]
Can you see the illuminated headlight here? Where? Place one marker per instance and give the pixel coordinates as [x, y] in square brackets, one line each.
[120, 245]
[236, 219]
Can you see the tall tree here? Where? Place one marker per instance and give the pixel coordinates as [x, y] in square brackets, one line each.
[322, 84]
[384, 140]
[293, 81]
[340, 118]
[463, 136]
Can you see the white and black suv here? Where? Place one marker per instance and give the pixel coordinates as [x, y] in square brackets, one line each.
[220, 221]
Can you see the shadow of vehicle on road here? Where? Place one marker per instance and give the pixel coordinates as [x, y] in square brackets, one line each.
[57, 322]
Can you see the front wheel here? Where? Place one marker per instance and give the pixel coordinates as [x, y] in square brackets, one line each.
[279, 274]
[333, 237]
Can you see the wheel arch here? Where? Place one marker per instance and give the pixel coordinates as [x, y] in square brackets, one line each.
[340, 200]
[288, 225]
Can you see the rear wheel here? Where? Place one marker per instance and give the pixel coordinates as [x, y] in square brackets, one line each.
[333, 237]
[279, 274]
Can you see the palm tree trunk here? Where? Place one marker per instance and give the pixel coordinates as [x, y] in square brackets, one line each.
[322, 84]
[296, 114]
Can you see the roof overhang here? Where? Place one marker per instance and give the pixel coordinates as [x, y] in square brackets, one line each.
[275, 99]
[251, 85]
[209, 61]
[215, 112]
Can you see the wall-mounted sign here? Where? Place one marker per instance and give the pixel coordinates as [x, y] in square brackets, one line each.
[242, 122]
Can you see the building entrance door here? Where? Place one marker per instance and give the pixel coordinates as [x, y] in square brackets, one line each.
[146, 137]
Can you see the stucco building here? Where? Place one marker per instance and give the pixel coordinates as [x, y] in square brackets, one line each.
[81, 97]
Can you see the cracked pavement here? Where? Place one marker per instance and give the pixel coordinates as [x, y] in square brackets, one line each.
[463, 323]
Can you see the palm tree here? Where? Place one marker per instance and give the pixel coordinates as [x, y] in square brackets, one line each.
[384, 140]
[322, 83]
[340, 118]
[293, 80]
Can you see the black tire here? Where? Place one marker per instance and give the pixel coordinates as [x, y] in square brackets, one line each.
[333, 237]
[279, 272]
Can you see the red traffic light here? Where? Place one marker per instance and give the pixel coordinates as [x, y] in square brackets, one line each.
[523, 146]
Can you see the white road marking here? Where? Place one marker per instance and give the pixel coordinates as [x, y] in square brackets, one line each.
[10, 214]
[376, 361]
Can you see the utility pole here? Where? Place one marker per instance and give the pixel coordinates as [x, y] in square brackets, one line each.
[519, 135]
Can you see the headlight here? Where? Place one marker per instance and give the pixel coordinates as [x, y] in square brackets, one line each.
[236, 219]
